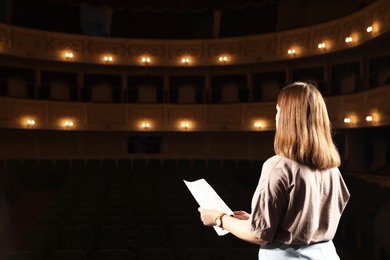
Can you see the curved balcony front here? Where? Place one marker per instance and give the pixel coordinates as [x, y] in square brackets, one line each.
[329, 37]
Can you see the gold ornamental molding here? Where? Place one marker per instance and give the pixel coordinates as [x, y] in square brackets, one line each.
[364, 109]
[336, 35]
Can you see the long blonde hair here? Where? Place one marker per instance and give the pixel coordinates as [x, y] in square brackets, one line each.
[303, 133]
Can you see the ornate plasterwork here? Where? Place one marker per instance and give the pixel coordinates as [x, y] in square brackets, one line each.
[236, 48]
[329, 33]
[377, 104]
[354, 25]
[259, 48]
[296, 41]
[31, 44]
[109, 48]
[154, 50]
[353, 105]
[176, 114]
[194, 50]
[260, 112]
[224, 114]
[20, 109]
[58, 112]
[77, 46]
[105, 114]
[218, 117]
[152, 113]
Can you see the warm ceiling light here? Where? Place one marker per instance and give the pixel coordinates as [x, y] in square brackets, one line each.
[291, 51]
[68, 55]
[146, 125]
[258, 125]
[322, 46]
[369, 118]
[30, 123]
[347, 120]
[68, 124]
[145, 60]
[369, 29]
[185, 61]
[185, 125]
[108, 59]
[223, 59]
[348, 39]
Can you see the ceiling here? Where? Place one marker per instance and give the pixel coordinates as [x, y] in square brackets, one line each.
[167, 19]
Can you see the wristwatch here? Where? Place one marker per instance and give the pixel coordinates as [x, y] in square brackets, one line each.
[218, 220]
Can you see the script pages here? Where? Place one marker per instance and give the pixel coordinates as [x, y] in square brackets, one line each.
[206, 197]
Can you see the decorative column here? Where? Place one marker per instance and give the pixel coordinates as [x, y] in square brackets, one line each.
[80, 83]
[166, 88]
[124, 86]
[37, 81]
[217, 22]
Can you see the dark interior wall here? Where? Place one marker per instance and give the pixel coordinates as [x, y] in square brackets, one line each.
[22, 144]
[298, 13]
[363, 150]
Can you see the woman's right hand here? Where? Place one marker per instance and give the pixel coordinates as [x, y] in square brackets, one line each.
[240, 214]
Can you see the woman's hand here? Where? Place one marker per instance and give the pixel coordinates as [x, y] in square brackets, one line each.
[237, 225]
[208, 216]
[241, 215]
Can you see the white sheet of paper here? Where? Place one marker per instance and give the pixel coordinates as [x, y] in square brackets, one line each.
[207, 197]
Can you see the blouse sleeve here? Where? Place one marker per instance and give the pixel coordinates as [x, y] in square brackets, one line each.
[269, 202]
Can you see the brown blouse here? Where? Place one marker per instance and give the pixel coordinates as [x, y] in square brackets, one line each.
[294, 204]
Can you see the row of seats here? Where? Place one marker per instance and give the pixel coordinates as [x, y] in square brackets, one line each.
[139, 208]
[146, 205]
[229, 90]
[16, 174]
[358, 229]
[61, 168]
[145, 254]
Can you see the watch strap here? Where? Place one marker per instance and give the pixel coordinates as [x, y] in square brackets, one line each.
[219, 219]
